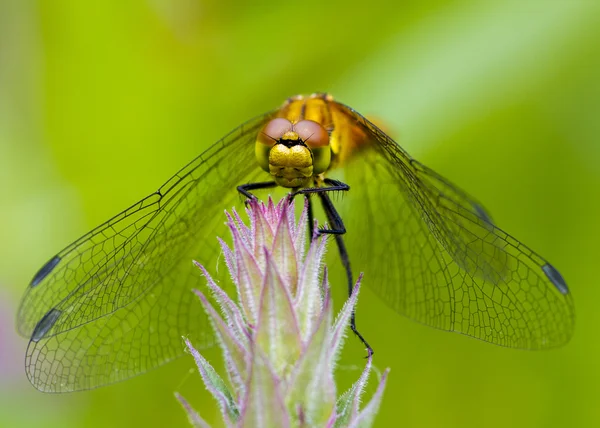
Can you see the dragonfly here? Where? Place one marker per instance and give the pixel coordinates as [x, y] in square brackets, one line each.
[116, 302]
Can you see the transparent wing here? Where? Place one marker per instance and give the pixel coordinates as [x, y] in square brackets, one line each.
[433, 254]
[116, 302]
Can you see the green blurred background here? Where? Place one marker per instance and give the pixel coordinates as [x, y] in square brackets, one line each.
[100, 102]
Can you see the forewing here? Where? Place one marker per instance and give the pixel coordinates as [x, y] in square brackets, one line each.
[116, 302]
[433, 254]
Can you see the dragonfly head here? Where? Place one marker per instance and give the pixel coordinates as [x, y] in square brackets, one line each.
[293, 152]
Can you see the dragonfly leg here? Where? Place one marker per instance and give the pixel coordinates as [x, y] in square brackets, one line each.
[337, 229]
[246, 189]
[311, 218]
[332, 186]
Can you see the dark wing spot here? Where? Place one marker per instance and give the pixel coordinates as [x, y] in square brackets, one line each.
[45, 324]
[482, 213]
[556, 278]
[44, 271]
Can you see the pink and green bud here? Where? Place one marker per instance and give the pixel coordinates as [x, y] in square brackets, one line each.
[279, 339]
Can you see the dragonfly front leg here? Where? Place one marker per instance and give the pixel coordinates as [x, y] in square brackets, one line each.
[336, 221]
[245, 189]
[337, 229]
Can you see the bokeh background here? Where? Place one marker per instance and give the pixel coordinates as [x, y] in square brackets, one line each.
[100, 102]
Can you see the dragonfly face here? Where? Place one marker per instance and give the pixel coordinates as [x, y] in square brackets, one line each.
[293, 152]
[116, 302]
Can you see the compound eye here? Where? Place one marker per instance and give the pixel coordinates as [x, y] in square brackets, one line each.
[312, 134]
[273, 131]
